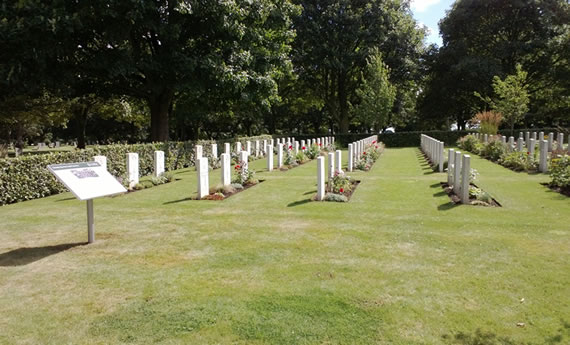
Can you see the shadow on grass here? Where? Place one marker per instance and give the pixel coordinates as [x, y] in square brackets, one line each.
[65, 199]
[24, 256]
[300, 202]
[177, 201]
[447, 206]
[480, 337]
[435, 185]
[310, 192]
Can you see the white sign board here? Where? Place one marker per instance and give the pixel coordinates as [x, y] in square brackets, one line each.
[87, 180]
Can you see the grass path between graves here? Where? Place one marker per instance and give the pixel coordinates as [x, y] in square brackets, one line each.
[398, 264]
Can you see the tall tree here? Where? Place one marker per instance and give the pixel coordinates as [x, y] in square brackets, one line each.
[376, 94]
[334, 38]
[487, 38]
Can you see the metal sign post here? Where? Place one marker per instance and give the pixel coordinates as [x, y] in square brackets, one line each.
[87, 181]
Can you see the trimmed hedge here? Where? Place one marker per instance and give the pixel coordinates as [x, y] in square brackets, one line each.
[26, 177]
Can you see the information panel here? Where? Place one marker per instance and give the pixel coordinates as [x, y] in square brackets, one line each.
[86, 180]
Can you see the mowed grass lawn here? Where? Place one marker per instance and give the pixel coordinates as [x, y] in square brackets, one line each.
[398, 264]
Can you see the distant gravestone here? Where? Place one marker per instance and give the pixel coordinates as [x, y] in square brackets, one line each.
[550, 141]
[560, 141]
[450, 163]
[226, 169]
[338, 160]
[270, 158]
[543, 159]
[158, 163]
[465, 174]
[320, 178]
[133, 169]
[531, 147]
[248, 147]
[257, 151]
[198, 152]
[227, 149]
[520, 143]
[350, 156]
[331, 164]
[238, 147]
[203, 178]
[102, 160]
[215, 150]
[279, 156]
[457, 173]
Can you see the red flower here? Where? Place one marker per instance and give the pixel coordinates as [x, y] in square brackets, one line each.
[374, 142]
[320, 144]
[237, 167]
[341, 190]
[376, 146]
[528, 153]
[303, 147]
[364, 152]
[290, 147]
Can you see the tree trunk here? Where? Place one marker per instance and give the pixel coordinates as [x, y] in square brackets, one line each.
[159, 105]
[342, 104]
[81, 118]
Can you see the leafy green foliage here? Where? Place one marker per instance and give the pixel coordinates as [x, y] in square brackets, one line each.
[27, 178]
[334, 197]
[376, 93]
[560, 172]
[468, 143]
[513, 97]
[519, 161]
[494, 150]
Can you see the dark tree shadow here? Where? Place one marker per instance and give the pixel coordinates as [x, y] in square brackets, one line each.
[24, 256]
[480, 337]
[300, 202]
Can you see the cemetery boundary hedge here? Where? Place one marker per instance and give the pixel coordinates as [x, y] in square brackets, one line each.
[26, 177]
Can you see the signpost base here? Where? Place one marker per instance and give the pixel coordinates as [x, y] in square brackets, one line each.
[90, 222]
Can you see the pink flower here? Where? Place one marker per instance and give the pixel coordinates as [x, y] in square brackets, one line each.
[374, 142]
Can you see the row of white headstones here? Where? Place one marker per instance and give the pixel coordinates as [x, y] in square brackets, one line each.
[433, 149]
[355, 151]
[283, 145]
[458, 165]
[202, 164]
[528, 144]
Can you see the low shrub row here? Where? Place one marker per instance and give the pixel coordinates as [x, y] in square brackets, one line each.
[26, 177]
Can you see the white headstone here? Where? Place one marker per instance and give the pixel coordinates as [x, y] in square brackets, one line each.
[486, 138]
[527, 138]
[540, 137]
[520, 142]
[198, 152]
[550, 141]
[338, 160]
[531, 147]
[560, 141]
[133, 169]
[248, 147]
[504, 140]
[102, 160]
[257, 151]
[543, 159]
[238, 147]
[331, 164]
[158, 163]
[269, 157]
[320, 178]
[203, 178]
[450, 162]
[57, 144]
[279, 156]
[215, 150]
[511, 143]
[296, 147]
[244, 158]
[227, 149]
[350, 157]
[226, 169]
[264, 146]
[457, 173]
[465, 174]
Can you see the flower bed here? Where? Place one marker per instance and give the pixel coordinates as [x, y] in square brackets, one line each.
[340, 188]
[243, 179]
[477, 196]
[495, 151]
[370, 155]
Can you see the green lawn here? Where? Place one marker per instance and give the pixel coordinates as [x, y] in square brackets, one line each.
[398, 264]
